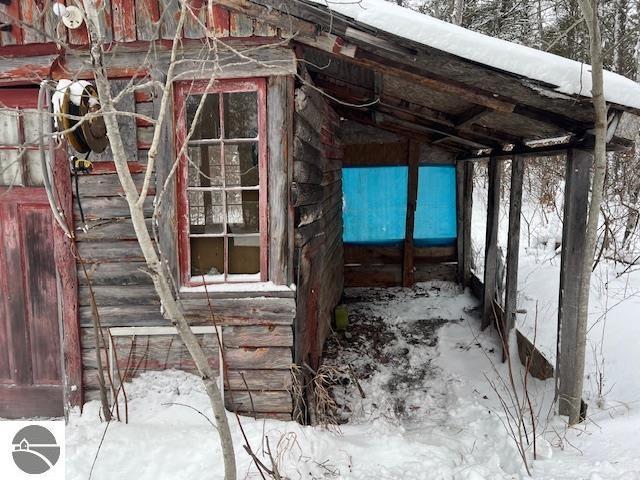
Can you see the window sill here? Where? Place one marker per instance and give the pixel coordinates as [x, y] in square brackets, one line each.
[254, 287]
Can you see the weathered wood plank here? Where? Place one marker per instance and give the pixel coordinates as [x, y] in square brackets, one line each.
[513, 247]
[240, 25]
[372, 255]
[491, 245]
[147, 20]
[169, 16]
[120, 273]
[107, 208]
[391, 275]
[412, 198]
[570, 333]
[118, 229]
[108, 295]
[116, 251]
[106, 185]
[467, 208]
[279, 124]
[124, 20]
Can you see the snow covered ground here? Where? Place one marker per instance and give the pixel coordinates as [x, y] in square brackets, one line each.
[428, 412]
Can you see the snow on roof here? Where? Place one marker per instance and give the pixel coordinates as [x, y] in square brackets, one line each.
[568, 76]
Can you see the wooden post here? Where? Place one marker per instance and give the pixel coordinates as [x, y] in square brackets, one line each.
[576, 199]
[278, 128]
[491, 246]
[408, 276]
[460, 193]
[467, 208]
[513, 249]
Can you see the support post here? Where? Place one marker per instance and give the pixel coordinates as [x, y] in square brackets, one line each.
[467, 208]
[513, 250]
[408, 274]
[491, 245]
[576, 200]
[460, 192]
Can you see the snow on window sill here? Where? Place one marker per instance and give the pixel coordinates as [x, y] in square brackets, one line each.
[235, 285]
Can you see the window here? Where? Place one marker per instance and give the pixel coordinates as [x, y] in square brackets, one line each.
[222, 182]
[19, 155]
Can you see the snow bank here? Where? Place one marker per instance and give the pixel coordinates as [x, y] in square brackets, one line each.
[568, 76]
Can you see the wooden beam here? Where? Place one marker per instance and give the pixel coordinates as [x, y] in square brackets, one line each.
[460, 193]
[472, 115]
[513, 250]
[491, 245]
[412, 198]
[576, 200]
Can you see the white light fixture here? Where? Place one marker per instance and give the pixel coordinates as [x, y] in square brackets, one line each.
[71, 15]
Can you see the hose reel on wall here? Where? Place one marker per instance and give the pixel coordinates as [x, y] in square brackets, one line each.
[75, 104]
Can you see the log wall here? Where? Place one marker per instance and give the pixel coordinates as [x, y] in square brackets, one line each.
[317, 199]
[257, 332]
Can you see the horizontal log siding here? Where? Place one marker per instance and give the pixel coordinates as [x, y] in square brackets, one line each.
[154, 20]
[317, 198]
[257, 332]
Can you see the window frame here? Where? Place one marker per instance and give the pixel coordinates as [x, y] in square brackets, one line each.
[20, 99]
[182, 90]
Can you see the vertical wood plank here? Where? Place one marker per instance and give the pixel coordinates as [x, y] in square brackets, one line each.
[11, 14]
[68, 283]
[513, 249]
[127, 124]
[124, 20]
[491, 246]
[412, 197]
[196, 20]
[467, 209]
[576, 200]
[460, 221]
[218, 19]
[32, 18]
[278, 126]
[147, 19]
[240, 25]
[169, 16]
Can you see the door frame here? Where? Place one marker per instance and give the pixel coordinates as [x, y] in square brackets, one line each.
[64, 256]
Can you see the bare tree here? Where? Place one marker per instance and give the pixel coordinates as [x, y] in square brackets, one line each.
[135, 201]
[571, 404]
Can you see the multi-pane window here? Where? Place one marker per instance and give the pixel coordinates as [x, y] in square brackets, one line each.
[19, 155]
[222, 185]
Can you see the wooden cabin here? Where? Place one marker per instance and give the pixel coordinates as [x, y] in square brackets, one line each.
[311, 108]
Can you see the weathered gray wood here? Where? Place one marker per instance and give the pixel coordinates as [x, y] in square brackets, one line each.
[167, 219]
[117, 229]
[147, 16]
[245, 311]
[120, 273]
[105, 208]
[169, 15]
[491, 246]
[105, 185]
[467, 207]
[110, 251]
[240, 25]
[126, 123]
[109, 295]
[513, 248]
[196, 21]
[391, 275]
[160, 352]
[576, 200]
[408, 277]
[256, 380]
[278, 125]
[460, 204]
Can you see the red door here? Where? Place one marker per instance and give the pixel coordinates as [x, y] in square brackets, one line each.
[30, 340]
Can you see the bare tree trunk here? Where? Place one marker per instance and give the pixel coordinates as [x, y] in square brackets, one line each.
[589, 12]
[458, 11]
[154, 264]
